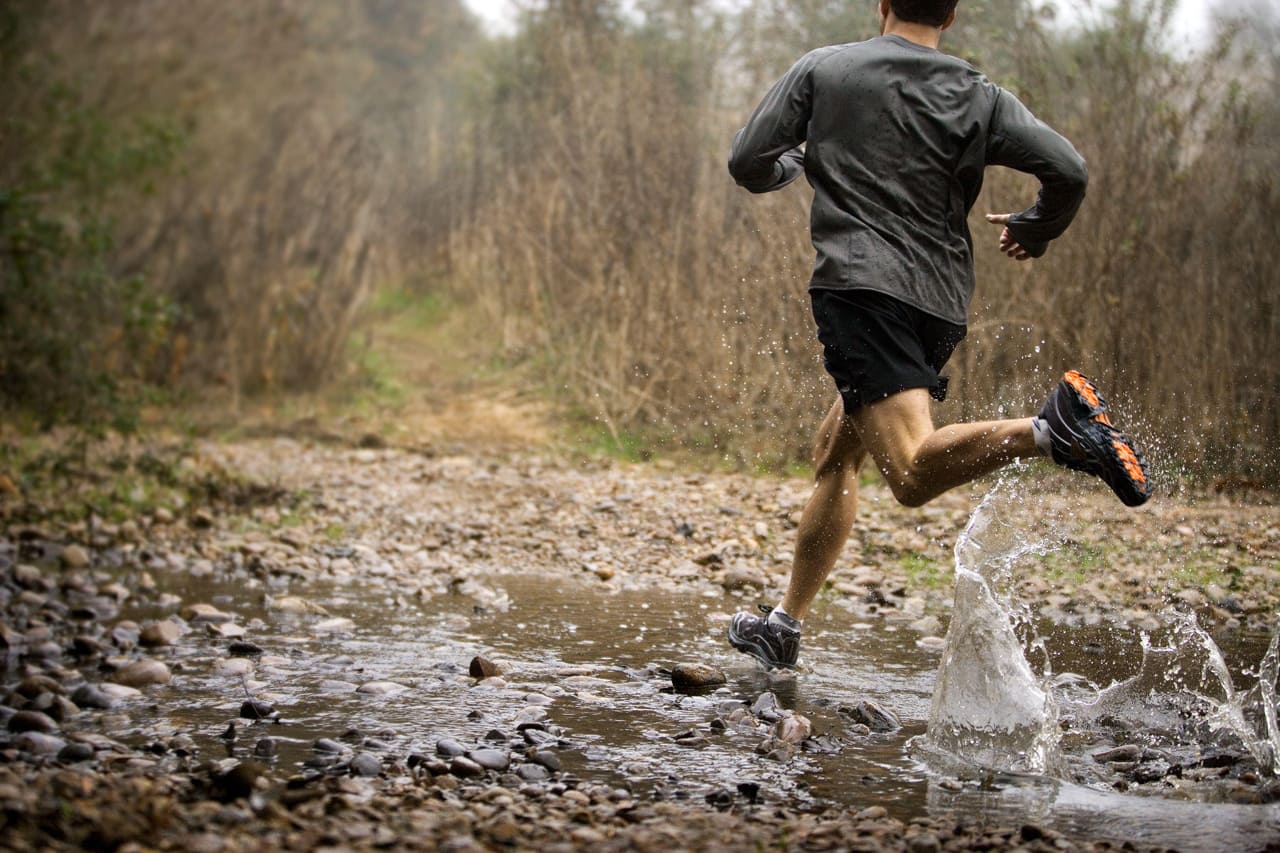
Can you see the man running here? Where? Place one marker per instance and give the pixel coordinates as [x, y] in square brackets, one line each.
[896, 137]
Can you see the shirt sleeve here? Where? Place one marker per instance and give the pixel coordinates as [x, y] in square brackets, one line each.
[765, 154]
[1019, 140]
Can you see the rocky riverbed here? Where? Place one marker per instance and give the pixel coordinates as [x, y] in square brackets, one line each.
[238, 563]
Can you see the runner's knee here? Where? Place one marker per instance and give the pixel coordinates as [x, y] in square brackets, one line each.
[909, 489]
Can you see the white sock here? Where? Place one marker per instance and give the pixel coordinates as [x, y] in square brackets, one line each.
[1040, 430]
[781, 618]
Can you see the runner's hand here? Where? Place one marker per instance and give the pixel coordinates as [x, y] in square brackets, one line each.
[1008, 245]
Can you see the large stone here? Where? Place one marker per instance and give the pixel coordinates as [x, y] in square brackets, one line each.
[74, 557]
[381, 688]
[32, 721]
[39, 743]
[336, 625]
[482, 667]
[256, 709]
[142, 673]
[793, 728]
[872, 715]
[206, 613]
[162, 633]
[490, 759]
[365, 764]
[696, 676]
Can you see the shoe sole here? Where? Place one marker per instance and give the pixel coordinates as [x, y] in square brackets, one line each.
[755, 649]
[1118, 463]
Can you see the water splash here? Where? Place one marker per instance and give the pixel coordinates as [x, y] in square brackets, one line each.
[1184, 696]
[990, 709]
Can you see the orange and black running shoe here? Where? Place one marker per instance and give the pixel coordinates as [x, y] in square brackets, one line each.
[1083, 438]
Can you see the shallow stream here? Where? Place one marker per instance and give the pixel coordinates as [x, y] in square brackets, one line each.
[591, 664]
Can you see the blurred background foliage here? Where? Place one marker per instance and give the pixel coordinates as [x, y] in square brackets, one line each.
[207, 197]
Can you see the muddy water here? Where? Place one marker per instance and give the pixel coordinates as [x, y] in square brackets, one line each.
[590, 663]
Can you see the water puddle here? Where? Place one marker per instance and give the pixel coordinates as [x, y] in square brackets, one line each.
[1103, 733]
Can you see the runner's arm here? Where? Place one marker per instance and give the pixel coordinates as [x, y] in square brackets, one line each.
[1019, 140]
[766, 155]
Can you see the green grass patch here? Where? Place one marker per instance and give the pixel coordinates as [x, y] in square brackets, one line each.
[922, 571]
[598, 441]
[377, 387]
[1074, 563]
[1198, 568]
[407, 309]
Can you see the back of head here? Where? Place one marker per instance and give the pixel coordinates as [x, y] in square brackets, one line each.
[933, 13]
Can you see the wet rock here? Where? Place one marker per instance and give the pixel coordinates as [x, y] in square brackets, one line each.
[336, 625]
[244, 649]
[696, 676]
[205, 613]
[296, 605]
[256, 709]
[691, 738]
[234, 666]
[332, 685]
[381, 688]
[163, 633]
[325, 744]
[225, 630]
[490, 759]
[366, 764]
[465, 767]
[1150, 771]
[776, 750]
[872, 715]
[125, 635]
[91, 696]
[62, 709]
[449, 748]
[236, 782]
[537, 736]
[720, 799]
[117, 692]
[266, 748]
[793, 728]
[924, 843]
[39, 743]
[35, 685]
[766, 708]
[74, 753]
[546, 758]
[74, 557]
[30, 578]
[142, 674]
[1127, 752]
[482, 667]
[533, 773]
[31, 721]
[181, 745]
[743, 578]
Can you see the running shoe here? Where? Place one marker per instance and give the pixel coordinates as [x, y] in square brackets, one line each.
[1083, 438]
[772, 645]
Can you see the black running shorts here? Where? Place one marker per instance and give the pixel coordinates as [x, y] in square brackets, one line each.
[874, 345]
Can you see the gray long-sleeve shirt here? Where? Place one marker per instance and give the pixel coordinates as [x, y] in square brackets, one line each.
[896, 137]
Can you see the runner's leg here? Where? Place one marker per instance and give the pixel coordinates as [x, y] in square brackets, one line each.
[920, 462]
[828, 515]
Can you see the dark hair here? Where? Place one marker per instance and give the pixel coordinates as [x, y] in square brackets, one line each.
[931, 12]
